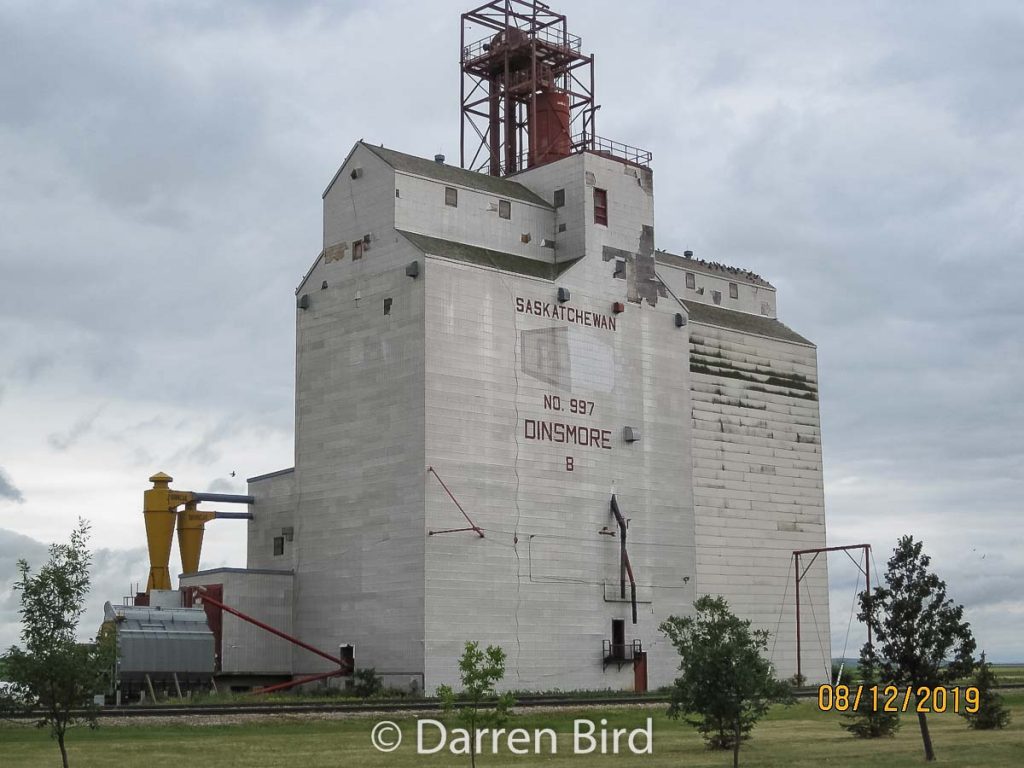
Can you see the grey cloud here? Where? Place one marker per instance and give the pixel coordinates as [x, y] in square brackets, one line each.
[8, 491]
[62, 441]
[225, 485]
[111, 579]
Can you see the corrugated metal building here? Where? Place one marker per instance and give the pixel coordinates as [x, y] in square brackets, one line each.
[173, 646]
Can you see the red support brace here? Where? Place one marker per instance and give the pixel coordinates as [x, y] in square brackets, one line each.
[273, 631]
[472, 526]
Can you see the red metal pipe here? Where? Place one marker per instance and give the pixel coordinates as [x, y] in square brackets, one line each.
[624, 556]
[298, 681]
[272, 630]
[799, 577]
[472, 526]
[796, 569]
[830, 549]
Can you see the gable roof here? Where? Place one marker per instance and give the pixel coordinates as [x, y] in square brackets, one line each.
[711, 268]
[743, 322]
[492, 185]
[486, 257]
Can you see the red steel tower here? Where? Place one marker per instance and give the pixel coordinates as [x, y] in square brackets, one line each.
[527, 91]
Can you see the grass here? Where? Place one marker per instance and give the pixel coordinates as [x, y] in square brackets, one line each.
[799, 736]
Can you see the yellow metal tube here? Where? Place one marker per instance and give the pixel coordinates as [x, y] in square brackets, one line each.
[159, 517]
[158, 505]
[191, 526]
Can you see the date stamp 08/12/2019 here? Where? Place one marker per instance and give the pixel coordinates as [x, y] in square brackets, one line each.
[891, 698]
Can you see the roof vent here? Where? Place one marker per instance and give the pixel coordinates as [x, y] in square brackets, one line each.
[439, 158]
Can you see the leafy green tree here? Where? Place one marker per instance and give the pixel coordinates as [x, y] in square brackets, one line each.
[54, 674]
[726, 684]
[478, 706]
[867, 722]
[921, 639]
[992, 713]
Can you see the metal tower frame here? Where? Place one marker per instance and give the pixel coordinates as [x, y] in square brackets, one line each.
[510, 51]
[866, 571]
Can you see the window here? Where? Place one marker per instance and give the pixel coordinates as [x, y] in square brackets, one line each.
[618, 638]
[691, 280]
[451, 197]
[716, 297]
[278, 546]
[600, 206]
[504, 209]
[561, 227]
[387, 306]
[559, 198]
[734, 291]
[357, 250]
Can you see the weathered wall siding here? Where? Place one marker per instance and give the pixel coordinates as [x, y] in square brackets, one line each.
[567, 174]
[421, 208]
[758, 485]
[248, 648]
[543, 598]
[359, 458]
[751, 298]
[358, 548]
[245, 648]
[274, 509]
[356, 207]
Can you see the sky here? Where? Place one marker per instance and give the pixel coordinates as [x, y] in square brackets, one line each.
[161, 166]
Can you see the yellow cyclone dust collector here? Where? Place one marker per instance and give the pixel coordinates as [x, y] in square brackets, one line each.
[160, 509]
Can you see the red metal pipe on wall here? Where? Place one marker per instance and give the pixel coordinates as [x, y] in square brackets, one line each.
[626, 566]
[298, 681]
[273, 630]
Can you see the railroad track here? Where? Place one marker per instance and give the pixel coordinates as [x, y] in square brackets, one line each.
[393, 705]
[419, 705]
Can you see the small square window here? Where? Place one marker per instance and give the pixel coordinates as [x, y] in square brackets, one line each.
[691, 280]
[600, 206]
[559, 198]
[278, 546]
[357, 250]
[451, 197]
[716, 296]
[734, 291]
[504, 209]
[561, 227]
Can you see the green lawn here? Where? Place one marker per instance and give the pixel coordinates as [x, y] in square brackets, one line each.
[799, 736]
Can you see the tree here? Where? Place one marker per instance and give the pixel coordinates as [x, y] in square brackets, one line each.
[867, 721]
[54, 674]
[921, 639]
[366, 683]
[991, 713]
[478, 706]
[726, 684]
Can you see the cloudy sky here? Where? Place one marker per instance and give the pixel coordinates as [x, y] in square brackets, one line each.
[161, 166]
